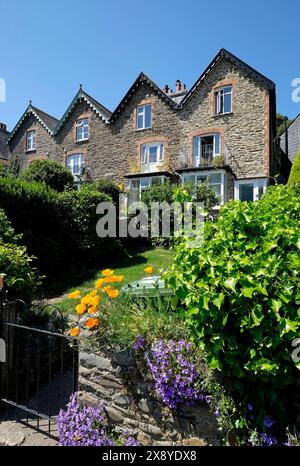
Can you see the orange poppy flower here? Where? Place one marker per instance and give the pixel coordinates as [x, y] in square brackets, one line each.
[149, 270]
[94, 292]
[91, 323]
[107, 272]
[92, 310]
[99, 283]
[81, 308]
[74, 295]
[111, 292]
[74, 332]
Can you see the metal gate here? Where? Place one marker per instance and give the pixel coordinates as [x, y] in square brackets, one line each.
[39, 368]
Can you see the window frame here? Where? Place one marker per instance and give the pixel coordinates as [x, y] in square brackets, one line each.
[32, 139]
[258, 185]
[81, 165]
[217, 100]
[79, 125]
[145, 153]
[143, 114]
[140, 189]
[198, 144]
[207, 173]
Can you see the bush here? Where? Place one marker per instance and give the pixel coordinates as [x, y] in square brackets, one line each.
[294, 178]
[21, 279]
[7, 234]
[53, 174]
[239, 294]
[58, 228]
[103, 186]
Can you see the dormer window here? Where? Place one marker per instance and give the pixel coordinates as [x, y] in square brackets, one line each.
[82, 129]
[31, 140]
[223, 100]
[143, 116]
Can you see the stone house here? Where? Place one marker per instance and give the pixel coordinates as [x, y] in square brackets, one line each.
[290, 140]
[221, 131]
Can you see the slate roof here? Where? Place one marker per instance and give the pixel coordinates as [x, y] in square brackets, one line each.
[46, 120]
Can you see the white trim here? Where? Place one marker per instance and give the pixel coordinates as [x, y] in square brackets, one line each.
[146, 165]
[149, 179]
[259, 184]
[207, 173]
[217, 97]
[142, 109]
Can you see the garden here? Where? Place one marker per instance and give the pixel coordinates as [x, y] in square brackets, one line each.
[225, 340]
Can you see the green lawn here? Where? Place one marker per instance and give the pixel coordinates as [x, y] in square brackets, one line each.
[132, 268]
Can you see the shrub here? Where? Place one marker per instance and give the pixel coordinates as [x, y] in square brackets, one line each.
[103, 186]
[21, 279]
[58, 228]
[239, 294]
[7, 234]
[52, 173]
[294, 178]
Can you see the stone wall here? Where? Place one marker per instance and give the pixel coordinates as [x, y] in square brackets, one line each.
[113, 376]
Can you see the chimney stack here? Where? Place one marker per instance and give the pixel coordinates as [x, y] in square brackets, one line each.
[2, 127]
[178, 85]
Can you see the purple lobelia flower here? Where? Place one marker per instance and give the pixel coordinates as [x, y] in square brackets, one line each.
[268, 440]
[172, 366]
[81, 425]
[268, 422]
[139, 344]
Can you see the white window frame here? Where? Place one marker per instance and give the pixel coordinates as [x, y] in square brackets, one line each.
[72, 165]
[81, 125]
[31, 140]
[259, 184]
[219, 100]
[206, 173]
[146, 165]
[140, 189]
[197, 143]
[141, 111]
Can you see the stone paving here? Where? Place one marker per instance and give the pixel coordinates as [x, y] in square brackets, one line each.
[14, 433]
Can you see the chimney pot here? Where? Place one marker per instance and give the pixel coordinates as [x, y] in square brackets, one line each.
[183, 87]
[178, 85]
[166, 88]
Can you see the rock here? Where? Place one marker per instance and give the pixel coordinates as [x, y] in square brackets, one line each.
[90, 361]
[154, 430]
[194, 442]
[123, 358]
[162, 443]
[146, 405]
[10, 434]
[114, 415]
[122, 400]
[87, 398]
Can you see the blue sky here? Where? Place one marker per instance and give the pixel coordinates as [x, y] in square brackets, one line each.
[49, 47]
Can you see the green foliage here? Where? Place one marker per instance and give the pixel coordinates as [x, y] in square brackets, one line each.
[52, 173]
[7, 234]
[103, 186]
[294, 178]
[159, 193]
[239, 294]
[58, 228]
[21, 279]
[126, 318]
[281, 123]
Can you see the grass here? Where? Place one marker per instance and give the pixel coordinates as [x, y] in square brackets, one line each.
[132, 268]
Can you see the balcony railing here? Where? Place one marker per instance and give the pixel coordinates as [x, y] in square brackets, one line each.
[207, 157]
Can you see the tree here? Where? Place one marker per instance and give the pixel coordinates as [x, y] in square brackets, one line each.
[53, 174]
[281, 122]
[294, 178]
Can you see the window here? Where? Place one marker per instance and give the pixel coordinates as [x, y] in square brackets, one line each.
[223, 100]
[143, 117]
[205, 148]
[249, 190]
[75, 164]
[82, 129]
[138, 185]
[151, 154]
[31, 140]
[215, 180]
